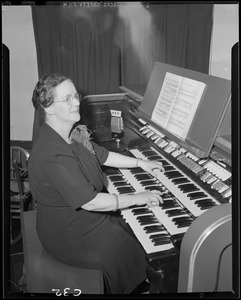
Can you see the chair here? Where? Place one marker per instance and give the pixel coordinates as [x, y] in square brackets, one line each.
[18, 187]
[45, 274]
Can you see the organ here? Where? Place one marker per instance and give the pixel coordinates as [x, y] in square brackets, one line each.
[197, 182]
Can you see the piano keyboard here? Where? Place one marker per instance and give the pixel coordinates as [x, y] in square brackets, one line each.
[156, 227]
[192, 196]
[152, 235]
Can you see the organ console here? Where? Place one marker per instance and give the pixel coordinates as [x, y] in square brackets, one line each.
[197, 180]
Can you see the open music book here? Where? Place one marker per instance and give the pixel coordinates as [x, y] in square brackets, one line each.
[177, 104]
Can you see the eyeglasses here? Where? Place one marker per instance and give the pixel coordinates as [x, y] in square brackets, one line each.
[69, 99]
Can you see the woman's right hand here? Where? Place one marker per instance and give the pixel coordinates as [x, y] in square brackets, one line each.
[151, 198]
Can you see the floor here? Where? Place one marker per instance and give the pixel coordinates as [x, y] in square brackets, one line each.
[17, 282]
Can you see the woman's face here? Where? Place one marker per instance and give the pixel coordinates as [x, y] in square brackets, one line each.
[64, 111]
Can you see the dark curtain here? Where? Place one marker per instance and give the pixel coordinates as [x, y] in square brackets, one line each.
[78, 43]
[102, 48]
[177, 34]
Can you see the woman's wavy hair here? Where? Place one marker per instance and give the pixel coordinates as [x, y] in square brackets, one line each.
[44, 91]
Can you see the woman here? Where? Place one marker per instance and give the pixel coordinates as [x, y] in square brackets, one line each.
[75, 219]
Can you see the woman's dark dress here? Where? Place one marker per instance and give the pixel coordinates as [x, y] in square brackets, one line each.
[62, 178]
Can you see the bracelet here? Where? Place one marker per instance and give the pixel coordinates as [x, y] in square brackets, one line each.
[117, 202]
[137, 161]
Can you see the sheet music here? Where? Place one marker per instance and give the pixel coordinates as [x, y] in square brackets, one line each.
[177, 103]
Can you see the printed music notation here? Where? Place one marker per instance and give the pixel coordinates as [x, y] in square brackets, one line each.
[177, 103]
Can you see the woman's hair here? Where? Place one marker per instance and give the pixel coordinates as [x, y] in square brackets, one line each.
[43, 94]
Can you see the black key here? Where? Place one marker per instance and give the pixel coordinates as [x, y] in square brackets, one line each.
[181, 218]
[139, 211]
[175, 212]
[187, 188]
[158, 235]
[125, 190]
[143, 176]
[148, 156]
[203, 201]
[184, 224]
[159, 227]
[173, 174]
[121, 183]
[145, 217]
[111, 171]
[138, 171]
[116, 178]
[153, 188]
[155, 157]
[187, 185]
[198, 195]
[148, 222]
[150, 229]
[167, 238]
[180, 180]
[193, 189]
[162, 243]
[147, 182]
[168, 204]
[169, 168]
[208, 206]
[148, 152]
[140, 208]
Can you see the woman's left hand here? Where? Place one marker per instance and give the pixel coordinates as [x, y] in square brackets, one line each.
[151, 166]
